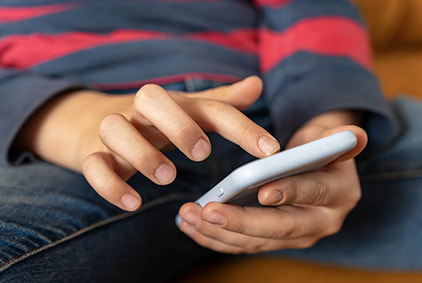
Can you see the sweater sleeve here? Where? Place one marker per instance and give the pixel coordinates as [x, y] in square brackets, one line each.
[315, 57]
[21, 93]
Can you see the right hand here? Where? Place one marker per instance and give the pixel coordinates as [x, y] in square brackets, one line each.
[134, 129]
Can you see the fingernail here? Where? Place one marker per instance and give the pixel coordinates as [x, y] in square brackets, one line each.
[191, 218]
[130, 201]
[268, 145]
[165, 174]
[201, 150]
[215, 218]
[275, 197]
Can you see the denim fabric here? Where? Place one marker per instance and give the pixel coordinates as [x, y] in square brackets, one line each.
[55, 228]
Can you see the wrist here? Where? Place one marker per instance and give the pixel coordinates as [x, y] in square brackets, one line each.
[318, 126]
[64, 128]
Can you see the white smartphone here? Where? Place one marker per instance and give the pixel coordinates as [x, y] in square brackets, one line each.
[300, 159]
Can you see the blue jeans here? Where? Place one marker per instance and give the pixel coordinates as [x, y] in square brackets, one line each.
[55, 228]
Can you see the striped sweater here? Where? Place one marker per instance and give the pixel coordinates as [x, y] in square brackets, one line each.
[313, 55]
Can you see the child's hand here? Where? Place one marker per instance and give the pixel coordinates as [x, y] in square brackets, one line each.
[297, 212]
[160, 119]
[134, 129]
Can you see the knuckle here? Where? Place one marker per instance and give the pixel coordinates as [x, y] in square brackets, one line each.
[239, 227]
[352, 196]
[146, 162]
[285, 233]
[204, 242]
[235, 251]
[106, 190]
[305, 244]
[254, 247]
[108, 123]
[146, 93]
[235, 220]
[148, 90]
[88, 162]
[290, 191]
[140, 161]
[355, 196]
[90, 166]
[320, 193]
[250, 128]
[333, 228]
[213, 109]
[286, 230]
[216, 106]
[186, 129]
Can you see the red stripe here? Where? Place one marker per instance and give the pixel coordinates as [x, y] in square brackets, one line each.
[12, 14]
[25, 51]
[332, 36]
[242, 40]
[272, 3]
[166, 80]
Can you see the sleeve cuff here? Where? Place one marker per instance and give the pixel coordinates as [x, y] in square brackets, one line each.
[22, 95]
[328, 88]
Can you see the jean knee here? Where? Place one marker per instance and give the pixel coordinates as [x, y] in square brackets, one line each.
[41, 204]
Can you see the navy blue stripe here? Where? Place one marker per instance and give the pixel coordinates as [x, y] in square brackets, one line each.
[136, 61]
[294, 68]
[282, 18]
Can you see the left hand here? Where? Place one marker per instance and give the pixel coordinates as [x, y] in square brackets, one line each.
[297, 211]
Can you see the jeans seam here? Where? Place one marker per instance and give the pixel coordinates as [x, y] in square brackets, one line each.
[113, 219]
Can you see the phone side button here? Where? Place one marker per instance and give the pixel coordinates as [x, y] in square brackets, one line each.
[220, 192]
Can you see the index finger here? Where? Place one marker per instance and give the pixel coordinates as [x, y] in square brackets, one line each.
[233, 125]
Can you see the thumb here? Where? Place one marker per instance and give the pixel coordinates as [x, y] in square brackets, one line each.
[241, 94]
[361, 136]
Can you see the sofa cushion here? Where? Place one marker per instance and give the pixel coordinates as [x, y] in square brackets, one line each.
[393, 23]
